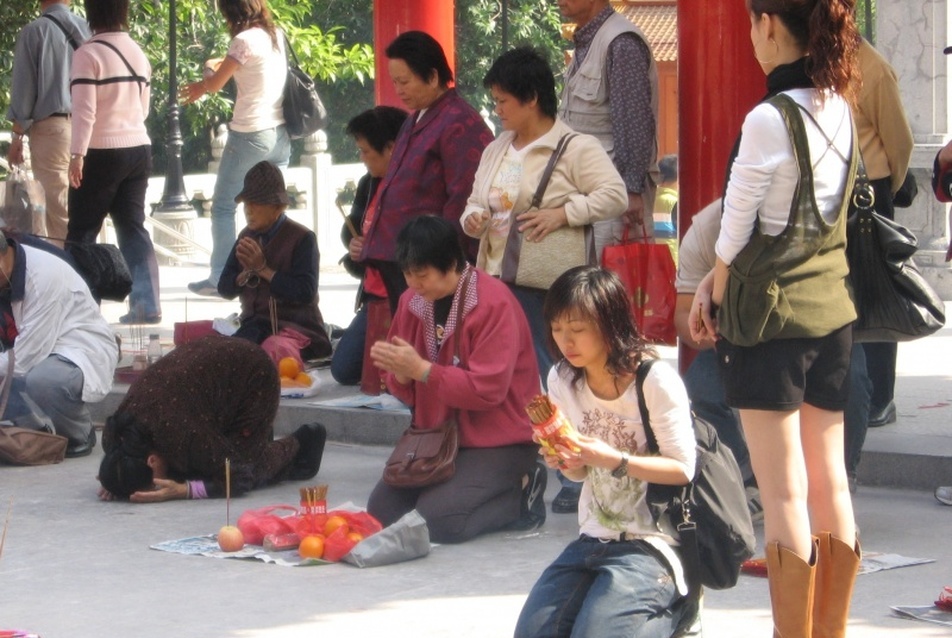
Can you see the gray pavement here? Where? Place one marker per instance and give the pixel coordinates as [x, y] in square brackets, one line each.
[74, 567]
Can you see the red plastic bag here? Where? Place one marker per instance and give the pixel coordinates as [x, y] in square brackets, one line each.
[647, 270]
[287, 343]
[258, 523]
[338, 544]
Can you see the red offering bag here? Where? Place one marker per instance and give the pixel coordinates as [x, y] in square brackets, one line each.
[647, 270]
[258, 523]
[338, 544]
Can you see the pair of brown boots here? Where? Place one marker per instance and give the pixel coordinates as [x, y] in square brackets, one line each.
[812, 599]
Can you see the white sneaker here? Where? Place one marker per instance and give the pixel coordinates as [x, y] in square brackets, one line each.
[943, 494]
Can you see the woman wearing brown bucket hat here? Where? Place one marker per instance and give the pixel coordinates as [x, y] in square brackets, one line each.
[273, 269]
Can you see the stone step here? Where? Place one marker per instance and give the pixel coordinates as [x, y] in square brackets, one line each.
[892, 456]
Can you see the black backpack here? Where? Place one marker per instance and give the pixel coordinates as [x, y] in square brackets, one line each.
[710, 513]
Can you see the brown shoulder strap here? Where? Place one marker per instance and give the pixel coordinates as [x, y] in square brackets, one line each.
[550, 167]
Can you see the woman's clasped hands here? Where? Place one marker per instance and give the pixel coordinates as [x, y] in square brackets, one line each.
[401, 359]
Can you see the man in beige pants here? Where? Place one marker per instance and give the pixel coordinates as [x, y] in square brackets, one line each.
[40, 105]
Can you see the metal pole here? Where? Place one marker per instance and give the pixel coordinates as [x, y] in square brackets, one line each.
[174, 197]
[505, 26]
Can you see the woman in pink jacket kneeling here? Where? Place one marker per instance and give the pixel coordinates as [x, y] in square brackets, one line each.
[498, 481]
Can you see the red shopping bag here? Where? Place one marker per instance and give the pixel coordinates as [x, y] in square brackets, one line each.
[647, 270]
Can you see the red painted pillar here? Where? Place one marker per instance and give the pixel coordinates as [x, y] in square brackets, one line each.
[719, 81]
[393, 17]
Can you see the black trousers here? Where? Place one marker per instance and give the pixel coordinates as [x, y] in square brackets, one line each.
[114, 183]
[881, 357]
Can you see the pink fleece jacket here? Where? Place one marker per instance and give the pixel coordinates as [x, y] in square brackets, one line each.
[109, 105]
[497, 375]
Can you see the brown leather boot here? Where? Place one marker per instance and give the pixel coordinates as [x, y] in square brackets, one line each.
[791, 591]
[836, 567]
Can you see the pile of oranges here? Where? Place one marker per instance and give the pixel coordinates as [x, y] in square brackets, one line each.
[312, 545]
[292, 376]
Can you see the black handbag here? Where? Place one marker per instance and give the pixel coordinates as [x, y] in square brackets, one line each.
[304, 112]
[710, 513]
[103, 268]
[893, 300]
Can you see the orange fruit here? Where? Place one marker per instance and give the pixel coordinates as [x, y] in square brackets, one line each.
[335, 522]
[304, 379]
[355, 537]
[311, 546]
[288, 367]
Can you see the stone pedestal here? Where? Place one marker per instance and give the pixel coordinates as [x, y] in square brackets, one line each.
[322, 189]
[179, 221]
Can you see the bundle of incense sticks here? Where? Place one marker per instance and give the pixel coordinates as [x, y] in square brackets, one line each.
[314, 499]
[550, 425]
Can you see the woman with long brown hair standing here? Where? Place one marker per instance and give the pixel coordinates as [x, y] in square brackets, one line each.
[256, 59]
[784, 324]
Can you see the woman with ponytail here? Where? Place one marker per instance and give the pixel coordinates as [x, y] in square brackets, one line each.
[257, 61]
[206, 401]
[778, 303]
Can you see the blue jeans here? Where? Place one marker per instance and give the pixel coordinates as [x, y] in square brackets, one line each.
[531, 300]
[348, 361]
[55, 385]
[596, 589]
[858, 406]
[706, 392]
[242, 151]
[881, 372]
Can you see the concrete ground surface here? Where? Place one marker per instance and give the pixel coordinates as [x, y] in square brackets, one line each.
[74, 567]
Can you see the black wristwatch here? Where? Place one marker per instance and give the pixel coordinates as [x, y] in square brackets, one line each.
[622, 470]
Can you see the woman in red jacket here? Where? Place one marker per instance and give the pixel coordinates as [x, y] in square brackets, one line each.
[483, 372]
[434, 158]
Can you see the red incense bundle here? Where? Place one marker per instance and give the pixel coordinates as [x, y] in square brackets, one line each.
[550, 425]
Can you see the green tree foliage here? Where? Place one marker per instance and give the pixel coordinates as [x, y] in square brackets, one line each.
[202, 34]
[333, 40]
[479, 32]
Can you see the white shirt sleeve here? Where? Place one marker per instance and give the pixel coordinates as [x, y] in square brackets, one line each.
[764, 146]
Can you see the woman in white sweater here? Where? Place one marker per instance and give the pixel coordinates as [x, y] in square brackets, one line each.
[111, 153]
[784, 328]
[584, 187]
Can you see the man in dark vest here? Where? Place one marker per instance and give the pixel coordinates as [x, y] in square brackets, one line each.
[610, 91]
[273, 269]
